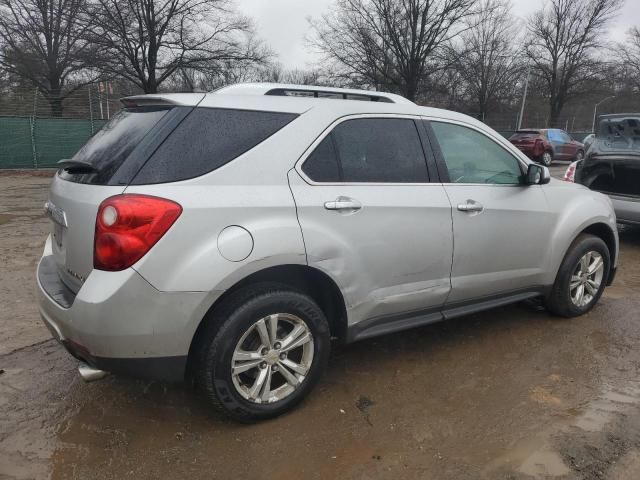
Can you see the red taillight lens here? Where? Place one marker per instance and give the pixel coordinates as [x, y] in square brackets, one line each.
[570, 174]
[127, 226]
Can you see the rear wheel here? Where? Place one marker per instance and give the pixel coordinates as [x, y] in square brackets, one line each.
[270, 350]
[546, 158]
[579, 156]
[581, 278]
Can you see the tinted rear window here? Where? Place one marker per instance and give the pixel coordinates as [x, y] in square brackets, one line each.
[523, 135]
[109, 147]
[370, 150]
[208, 139]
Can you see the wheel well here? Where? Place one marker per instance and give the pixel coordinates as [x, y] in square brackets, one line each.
[302, 278]
[604, 232]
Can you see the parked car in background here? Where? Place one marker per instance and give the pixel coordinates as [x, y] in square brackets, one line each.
[612, 164]
[547, 145]
[228, 237]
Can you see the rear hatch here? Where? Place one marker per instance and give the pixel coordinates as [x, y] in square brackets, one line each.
[613, 164]
[525, 138]
[103, 167]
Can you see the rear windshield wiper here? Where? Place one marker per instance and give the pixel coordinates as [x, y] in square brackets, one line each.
[77, 165]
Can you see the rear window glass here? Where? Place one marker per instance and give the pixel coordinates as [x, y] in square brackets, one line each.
[369, 150]
[620, 135]
[111, 145]
[521, 135]
[208, 139]
[322, 164]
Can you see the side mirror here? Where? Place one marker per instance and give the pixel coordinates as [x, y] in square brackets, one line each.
[537, 175]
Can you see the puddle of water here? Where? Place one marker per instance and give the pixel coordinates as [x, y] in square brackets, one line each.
[533, 457]
[612, 402]
[536, 458]
[544, 463]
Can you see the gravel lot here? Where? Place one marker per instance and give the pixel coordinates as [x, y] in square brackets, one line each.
[512, 393]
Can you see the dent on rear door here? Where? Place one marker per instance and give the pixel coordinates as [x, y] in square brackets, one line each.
[392, 256]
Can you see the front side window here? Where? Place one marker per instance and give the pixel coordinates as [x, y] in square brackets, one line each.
[369, 150]
[471, 157]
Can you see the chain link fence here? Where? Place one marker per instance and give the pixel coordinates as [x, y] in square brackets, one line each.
[32, 137]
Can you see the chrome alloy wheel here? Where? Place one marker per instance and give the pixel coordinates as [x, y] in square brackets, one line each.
[272, 358]
[586, 279]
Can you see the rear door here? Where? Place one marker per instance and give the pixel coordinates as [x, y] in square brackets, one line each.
[371, 219]
[500, 225]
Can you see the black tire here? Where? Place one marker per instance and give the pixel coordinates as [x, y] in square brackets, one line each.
[546, 158]
[559, 301]
[579, 156]
[228, 324]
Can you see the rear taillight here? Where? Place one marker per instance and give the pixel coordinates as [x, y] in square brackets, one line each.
[127, 226]
[570, 174]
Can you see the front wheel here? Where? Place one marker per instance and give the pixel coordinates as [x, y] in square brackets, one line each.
[581, 278]
[270, 350]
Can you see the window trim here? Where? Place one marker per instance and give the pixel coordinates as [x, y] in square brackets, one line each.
[440, 162]
[427, 151]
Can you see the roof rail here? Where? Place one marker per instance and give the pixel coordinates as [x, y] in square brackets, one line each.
[306, 92]
[310, 91]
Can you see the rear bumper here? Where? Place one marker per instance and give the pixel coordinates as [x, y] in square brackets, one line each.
[627, 209]
[119, 323]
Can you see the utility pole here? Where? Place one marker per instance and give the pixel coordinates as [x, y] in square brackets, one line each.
[595, 111]
[524, 99]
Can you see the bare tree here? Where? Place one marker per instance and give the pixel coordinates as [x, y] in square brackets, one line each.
[148, 41]
[276, 73]
[631, 56]
[44, 42]
[388, 44]
[488, 56]
[564, 37]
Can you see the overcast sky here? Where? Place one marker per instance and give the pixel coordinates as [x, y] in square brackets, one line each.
[283, 23]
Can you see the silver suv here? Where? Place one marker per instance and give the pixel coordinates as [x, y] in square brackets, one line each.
[229, 237]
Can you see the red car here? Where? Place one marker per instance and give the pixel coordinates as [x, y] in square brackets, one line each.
[546, 145]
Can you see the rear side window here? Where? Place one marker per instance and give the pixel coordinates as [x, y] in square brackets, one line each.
[371, 150]
[208, 139]
[322, 164]
[107, 150]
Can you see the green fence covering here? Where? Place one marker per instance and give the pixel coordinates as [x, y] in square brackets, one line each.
[26, 142]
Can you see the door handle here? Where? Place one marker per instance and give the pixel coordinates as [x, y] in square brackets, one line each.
[470, 206]
[343, 203]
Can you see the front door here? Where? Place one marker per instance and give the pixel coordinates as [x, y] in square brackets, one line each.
[500, 225]
[372, 221]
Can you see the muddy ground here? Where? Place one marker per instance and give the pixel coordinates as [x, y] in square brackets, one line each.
[508, 394]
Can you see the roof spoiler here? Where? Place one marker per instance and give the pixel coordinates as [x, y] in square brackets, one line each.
[160, 100]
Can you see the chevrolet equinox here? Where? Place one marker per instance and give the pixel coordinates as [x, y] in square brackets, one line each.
[228, 237]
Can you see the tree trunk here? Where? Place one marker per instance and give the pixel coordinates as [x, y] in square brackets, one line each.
[554, 112]
[55, 102]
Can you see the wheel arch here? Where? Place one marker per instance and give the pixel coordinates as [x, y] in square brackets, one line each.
[302, 278]
[605, 233]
